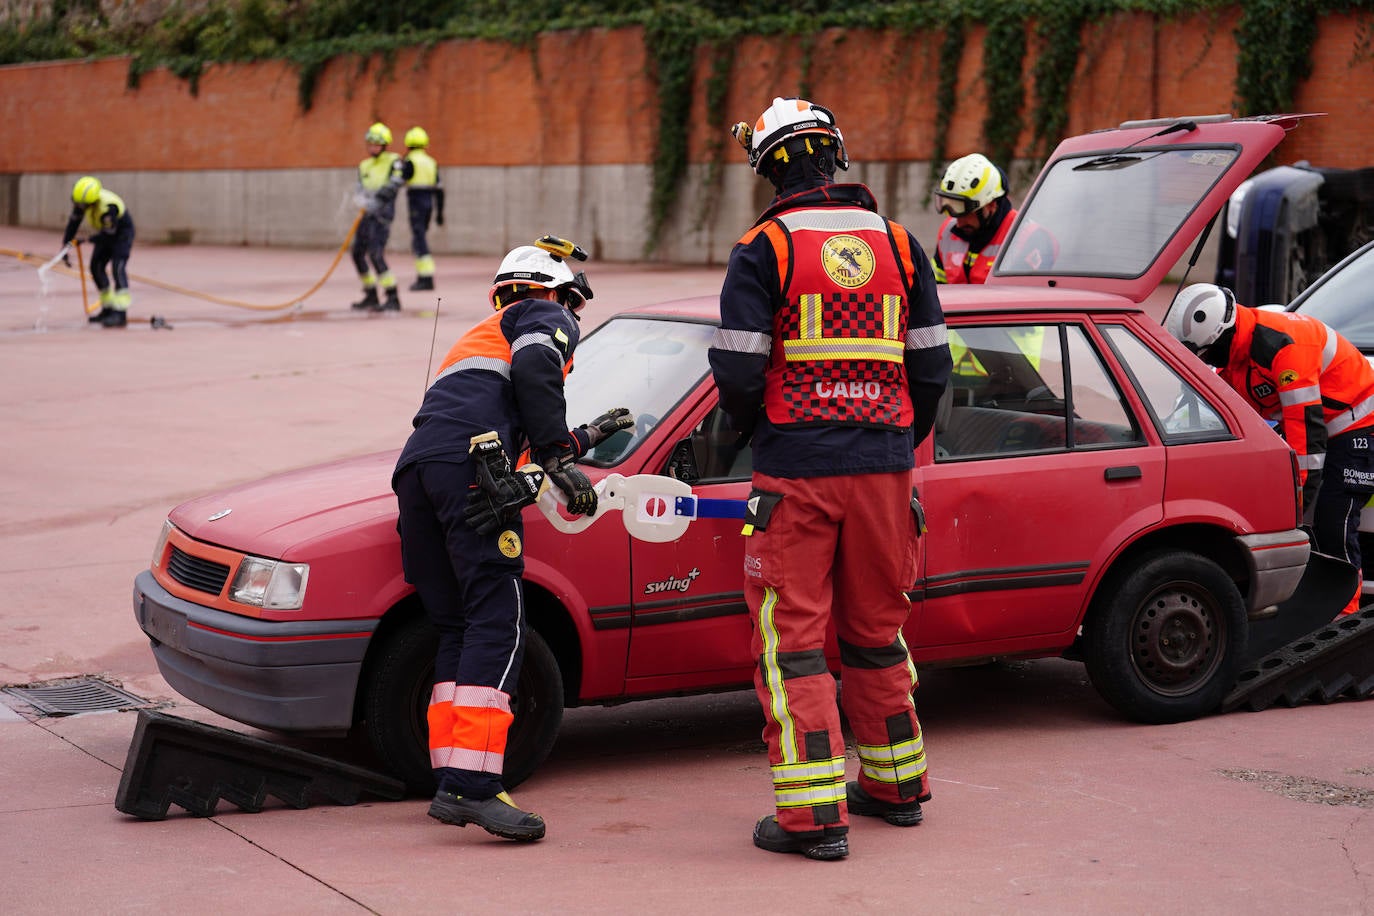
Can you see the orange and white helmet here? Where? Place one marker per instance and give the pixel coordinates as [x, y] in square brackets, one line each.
[782, 121]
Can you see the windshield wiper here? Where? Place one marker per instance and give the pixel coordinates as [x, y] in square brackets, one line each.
[1118, 160]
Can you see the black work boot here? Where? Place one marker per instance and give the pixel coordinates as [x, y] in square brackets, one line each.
[99, 317]
[824, 845]
[421, 284]
[369, 300]
[392, 303]
[115, 318]
[497, 816]
[900, 814]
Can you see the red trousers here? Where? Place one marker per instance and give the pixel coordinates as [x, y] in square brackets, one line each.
[841, 550]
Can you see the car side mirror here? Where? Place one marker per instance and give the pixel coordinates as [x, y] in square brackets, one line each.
[683, 464]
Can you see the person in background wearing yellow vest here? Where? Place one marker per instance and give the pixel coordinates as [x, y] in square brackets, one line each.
[832, 354]
[380, 176]
[499, 389]
[424, 198]
[112, 240]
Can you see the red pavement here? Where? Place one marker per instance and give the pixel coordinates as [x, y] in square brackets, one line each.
[1045, 801]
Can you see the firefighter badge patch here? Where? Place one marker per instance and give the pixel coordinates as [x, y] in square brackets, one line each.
[1287, 377]
[847, 260]
[508, 542]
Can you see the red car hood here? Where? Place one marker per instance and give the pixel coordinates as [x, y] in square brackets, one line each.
[283, 511]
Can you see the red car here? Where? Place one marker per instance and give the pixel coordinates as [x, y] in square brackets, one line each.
[1091, 490]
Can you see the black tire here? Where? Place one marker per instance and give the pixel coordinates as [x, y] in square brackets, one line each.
[396, 695]
[1165, 637]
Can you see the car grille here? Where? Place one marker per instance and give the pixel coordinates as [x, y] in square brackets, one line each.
[193, 572]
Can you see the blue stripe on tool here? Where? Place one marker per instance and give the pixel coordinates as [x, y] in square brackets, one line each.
[698, 507]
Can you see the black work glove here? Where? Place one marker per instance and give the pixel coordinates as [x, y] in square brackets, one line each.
[609, 423]
[67, 258]
[563, 471]
[498, 499]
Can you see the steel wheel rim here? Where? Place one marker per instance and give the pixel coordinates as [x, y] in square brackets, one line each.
[1176, 639]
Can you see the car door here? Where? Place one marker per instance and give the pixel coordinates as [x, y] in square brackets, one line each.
[690, 625]
[1038, 469]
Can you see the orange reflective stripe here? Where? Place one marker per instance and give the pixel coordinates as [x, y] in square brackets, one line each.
[902, 242]
[486, 339]
[481, 728]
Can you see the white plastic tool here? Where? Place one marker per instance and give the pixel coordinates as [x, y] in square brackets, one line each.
[652, 508]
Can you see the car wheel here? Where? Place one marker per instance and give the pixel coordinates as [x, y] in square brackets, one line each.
[396, 696]
[1165, 637]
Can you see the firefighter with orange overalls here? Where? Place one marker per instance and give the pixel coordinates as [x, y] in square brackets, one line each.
[1314, 383]
[499, 389]
[832, 355]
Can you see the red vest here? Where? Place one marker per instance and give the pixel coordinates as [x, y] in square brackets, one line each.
[840, 336]
[954, 258]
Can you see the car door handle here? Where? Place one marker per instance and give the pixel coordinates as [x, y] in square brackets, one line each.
[1126, 472]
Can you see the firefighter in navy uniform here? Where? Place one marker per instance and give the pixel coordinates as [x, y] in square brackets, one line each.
[1318, 387]
[424, 200]
[380, 176]
[112, 240]
[499, 388]
[832, 354]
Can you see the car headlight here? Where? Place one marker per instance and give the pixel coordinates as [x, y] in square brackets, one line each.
[270, 584]
[160, 549]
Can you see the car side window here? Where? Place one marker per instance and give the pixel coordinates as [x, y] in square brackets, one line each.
[1178, 409]
[710, 454]
[1029, 389]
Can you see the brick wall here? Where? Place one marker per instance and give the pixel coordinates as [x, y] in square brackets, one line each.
[517, 125]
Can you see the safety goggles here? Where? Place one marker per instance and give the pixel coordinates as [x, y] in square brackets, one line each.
[954, 206]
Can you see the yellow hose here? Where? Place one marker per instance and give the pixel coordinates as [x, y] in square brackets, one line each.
[194, 294]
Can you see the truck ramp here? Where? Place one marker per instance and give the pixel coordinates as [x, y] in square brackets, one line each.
[1333, 662]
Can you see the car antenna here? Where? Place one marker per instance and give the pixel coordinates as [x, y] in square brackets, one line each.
[438, 301]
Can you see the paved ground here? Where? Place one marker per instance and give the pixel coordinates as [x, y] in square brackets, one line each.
[1046, 802]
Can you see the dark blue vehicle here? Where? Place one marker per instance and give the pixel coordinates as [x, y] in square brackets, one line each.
[1285, 227]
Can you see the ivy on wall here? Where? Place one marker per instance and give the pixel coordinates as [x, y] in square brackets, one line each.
[1274, 40]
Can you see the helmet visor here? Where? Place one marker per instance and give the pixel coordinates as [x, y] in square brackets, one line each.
[954, 206]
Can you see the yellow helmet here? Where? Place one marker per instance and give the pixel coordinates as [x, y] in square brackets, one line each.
[86, 191]
[969, 183]
[379, 134]
[416, 138]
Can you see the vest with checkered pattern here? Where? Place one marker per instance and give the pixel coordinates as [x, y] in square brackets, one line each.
[839, 337]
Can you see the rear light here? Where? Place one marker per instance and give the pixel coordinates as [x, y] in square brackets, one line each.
[1297, 489]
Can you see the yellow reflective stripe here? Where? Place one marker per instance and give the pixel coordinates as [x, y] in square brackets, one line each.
[827, 348]
[893, 763]
[830, 768]
[810, 317]
[829, 794]
[892, 310]
[772, 678]
[910, 665]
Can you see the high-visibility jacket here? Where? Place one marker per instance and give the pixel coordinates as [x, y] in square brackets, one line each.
[840, 334]
[104, 217]
[1314, 382]
[505, 374]
[954, 263]
[424, 172]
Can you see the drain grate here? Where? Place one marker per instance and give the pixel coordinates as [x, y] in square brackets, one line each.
[70, 698]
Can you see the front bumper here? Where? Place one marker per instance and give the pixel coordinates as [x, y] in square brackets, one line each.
[282, 675]
[1276, 564]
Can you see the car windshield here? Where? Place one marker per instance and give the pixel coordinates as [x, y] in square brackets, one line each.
[1111, 215]
[645, 364]
[1342, 300]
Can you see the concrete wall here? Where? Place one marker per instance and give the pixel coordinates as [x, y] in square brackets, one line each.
[558, 137]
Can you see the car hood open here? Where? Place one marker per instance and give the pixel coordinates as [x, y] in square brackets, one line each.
[1114, 210]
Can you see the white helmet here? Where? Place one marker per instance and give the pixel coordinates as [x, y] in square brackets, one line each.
[783, 120]
[1200, 314]
[969, 183]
